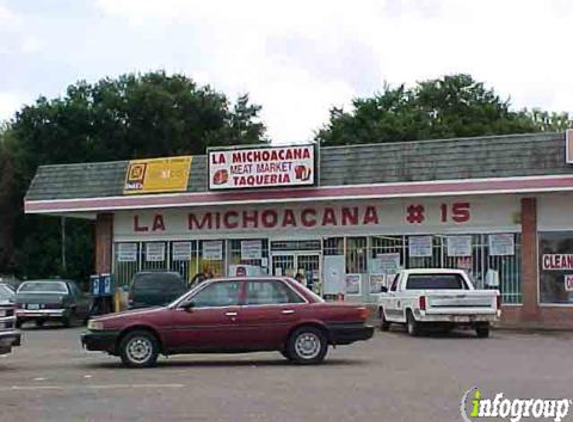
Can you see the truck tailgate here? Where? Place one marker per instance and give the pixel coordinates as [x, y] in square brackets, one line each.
[461, 302]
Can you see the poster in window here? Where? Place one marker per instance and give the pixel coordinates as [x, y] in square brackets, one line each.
[181, 251]
[377, 281]
[389, 263]
[251, 249]
[127, 252]
[459, 245]
[353, 284]
[213, 250]
[155, 252]
[420, 246]
[501, 244]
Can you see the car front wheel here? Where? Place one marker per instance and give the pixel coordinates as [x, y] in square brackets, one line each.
[139, 349]
[307, 345]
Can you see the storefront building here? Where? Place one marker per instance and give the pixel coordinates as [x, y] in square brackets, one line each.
[347, 218]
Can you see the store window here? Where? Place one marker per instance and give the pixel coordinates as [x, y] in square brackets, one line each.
[356, 255]
[211, 257]
[556, 267]
[154, 256]
[248, 257]
[184, 259]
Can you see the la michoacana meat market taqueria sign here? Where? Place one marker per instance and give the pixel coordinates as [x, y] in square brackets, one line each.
[262, 167]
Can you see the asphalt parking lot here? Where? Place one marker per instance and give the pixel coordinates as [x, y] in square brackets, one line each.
[391, 378]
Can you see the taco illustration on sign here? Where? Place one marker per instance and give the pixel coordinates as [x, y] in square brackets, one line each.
[302, 173]
[221, 177]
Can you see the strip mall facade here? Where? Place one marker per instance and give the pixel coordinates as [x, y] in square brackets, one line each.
[348, 217]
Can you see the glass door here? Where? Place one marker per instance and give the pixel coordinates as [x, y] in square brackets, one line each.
[309, 266]
[292, 263]
[284, 265]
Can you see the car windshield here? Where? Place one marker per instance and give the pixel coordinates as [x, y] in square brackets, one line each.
[6, 293]
[43, 287]
[158, 281]
[435, 282]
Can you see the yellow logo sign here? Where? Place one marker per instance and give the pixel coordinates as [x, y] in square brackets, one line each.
[157, 175]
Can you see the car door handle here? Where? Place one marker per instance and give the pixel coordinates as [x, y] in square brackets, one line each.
[231, 314]
[287, 312]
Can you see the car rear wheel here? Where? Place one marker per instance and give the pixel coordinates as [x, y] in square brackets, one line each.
[307, 345]
[384, 324]
[482, 330]
[412, 325]
[139, 349]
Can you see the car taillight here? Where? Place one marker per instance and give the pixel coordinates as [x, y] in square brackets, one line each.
[422, 303]
[363, 313]
[498, 302]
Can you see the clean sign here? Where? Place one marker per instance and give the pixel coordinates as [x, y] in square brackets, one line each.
[262, 167]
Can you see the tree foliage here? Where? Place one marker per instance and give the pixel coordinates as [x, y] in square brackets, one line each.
[452, 106]
[133, 116]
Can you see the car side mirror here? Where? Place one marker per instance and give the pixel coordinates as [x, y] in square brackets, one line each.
[188, 306]
[383, 289]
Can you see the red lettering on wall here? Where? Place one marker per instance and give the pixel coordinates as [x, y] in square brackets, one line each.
[158, 223]
[253, 218]
[461, 212]
[308, 217]
[350, 216]
[289, 219]
[206, 222]
[370, 215]
[269, 218]
[137, 227]
[329, 217]
[228, 223]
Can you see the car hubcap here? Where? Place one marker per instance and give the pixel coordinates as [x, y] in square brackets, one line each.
[139, 349]
[307, 345]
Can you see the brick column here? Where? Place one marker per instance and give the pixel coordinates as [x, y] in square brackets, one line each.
[529, 310]
[103, 243]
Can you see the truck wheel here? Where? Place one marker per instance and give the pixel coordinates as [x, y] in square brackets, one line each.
[412, 325]
[482, 330]
[307, 346]
[384, 324]
[139, 349]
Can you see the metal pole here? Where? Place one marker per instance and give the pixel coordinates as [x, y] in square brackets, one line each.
[63, 232]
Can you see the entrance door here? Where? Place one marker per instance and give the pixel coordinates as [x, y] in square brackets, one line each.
[289, 264]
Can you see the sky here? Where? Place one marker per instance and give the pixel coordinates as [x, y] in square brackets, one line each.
[295, 58]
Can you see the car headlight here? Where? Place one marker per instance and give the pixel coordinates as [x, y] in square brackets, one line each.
[95, 325]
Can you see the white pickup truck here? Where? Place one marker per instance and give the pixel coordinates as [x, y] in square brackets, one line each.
[439, 297]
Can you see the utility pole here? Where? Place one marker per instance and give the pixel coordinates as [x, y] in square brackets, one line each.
[63, 233]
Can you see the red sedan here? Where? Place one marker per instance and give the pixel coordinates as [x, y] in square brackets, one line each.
[232, 315]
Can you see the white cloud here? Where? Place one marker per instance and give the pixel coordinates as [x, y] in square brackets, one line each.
[299, 58]
[9, 103]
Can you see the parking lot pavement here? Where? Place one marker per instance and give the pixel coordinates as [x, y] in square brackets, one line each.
[391, 378]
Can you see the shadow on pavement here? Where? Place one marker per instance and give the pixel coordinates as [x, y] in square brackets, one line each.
[167, 364]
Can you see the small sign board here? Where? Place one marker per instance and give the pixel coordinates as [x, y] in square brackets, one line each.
[157, 175]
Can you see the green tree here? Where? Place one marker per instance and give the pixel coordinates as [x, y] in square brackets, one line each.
[133, 116]
[452, 106]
